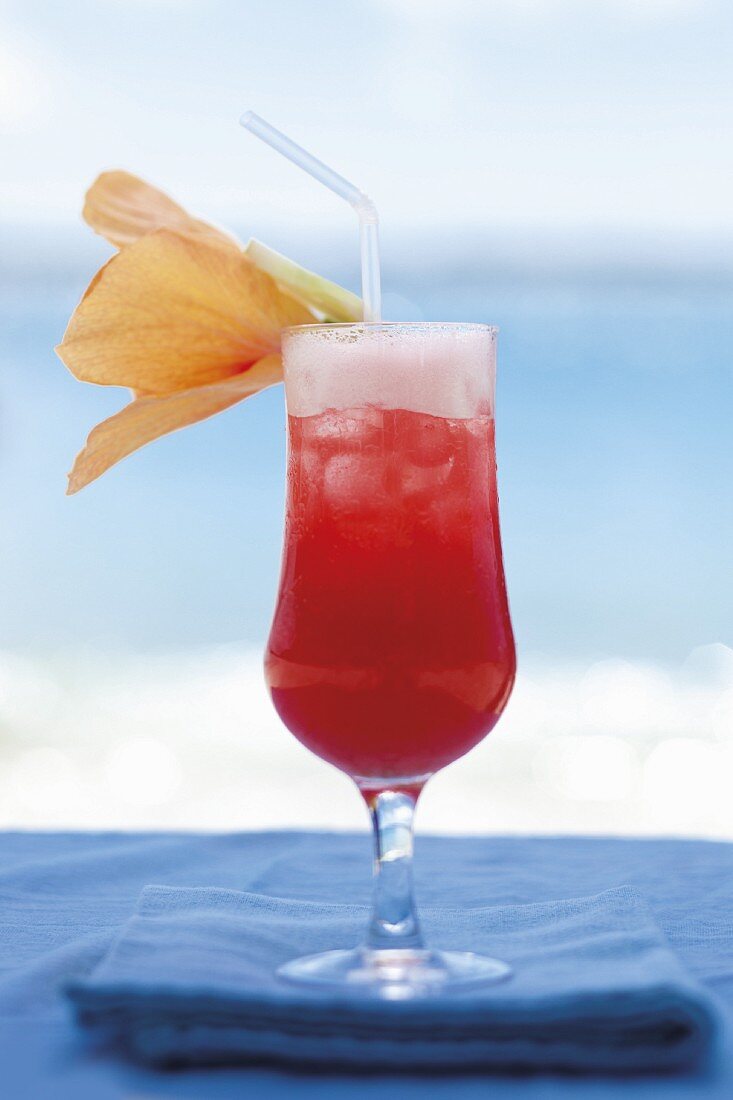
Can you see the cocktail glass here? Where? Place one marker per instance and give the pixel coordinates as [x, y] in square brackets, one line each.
[391, 651]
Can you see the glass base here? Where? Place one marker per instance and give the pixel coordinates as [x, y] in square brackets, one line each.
[395, 973]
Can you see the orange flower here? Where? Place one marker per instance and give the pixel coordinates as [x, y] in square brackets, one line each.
[181, 315]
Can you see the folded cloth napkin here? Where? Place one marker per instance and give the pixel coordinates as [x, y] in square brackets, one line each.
[191, 981]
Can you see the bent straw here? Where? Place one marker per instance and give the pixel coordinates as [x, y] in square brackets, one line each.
[361, 203]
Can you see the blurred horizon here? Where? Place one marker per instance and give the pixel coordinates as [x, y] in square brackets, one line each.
[612, 444]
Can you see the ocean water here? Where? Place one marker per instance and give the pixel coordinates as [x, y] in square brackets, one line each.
[133, 614]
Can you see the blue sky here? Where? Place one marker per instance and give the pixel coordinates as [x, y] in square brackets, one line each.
[611, 115]
[560, 168]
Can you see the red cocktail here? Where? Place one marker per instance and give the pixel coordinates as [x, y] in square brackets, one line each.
[391, 652]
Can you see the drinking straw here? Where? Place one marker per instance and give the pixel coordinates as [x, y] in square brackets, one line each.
[361, 203]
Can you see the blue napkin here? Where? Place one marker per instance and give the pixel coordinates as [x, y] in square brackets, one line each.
[595, 987]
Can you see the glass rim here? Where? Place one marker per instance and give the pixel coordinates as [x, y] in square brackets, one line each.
[324, 326]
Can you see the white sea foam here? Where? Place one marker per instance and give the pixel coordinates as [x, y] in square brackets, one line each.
[191, 740]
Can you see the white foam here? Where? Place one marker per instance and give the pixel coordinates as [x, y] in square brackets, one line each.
[440, 369]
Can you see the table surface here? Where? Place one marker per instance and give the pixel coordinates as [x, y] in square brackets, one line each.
[64, 896]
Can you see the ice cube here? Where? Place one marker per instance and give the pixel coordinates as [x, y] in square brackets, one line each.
[424, 480]
[432, 441]
[347, 429]
[353, 483]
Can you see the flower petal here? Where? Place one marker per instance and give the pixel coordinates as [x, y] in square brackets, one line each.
[171, 312]
[123, 208]
[148, 418]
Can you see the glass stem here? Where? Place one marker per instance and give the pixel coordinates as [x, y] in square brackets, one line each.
[394, 922]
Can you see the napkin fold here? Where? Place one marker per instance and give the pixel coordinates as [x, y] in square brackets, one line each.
[191, 981]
